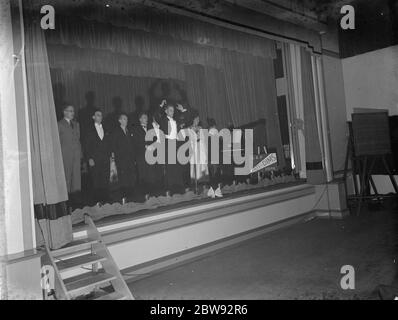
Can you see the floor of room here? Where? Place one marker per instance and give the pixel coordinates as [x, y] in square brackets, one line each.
[299, 262]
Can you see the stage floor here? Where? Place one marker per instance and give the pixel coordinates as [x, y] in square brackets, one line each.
[117, 218]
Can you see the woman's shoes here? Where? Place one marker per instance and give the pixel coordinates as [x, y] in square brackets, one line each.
[211, 193]
[214, 194]
[218, 193]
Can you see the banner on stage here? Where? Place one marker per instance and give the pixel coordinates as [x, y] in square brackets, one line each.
[268, 161]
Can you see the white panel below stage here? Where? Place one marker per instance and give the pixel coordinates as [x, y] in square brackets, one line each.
[149, 243]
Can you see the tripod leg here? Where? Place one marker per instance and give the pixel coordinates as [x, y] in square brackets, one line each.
[355, 168]
[362, 190]
[346, 169]
[369, 178]
[394, 183]
[373, 186]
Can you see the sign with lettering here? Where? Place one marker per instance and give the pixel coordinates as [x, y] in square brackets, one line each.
[268, 161]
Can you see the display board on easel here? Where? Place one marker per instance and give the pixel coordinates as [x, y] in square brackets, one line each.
[371, 134]
[369, 142]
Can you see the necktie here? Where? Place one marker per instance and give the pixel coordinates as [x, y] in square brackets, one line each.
[71, 124]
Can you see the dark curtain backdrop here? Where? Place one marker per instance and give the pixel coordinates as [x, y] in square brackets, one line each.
[73, 86]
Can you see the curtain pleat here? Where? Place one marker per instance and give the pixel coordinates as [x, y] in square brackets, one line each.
[196, 90]
[216, 105]
[49, 185]
[48, 170]
[251, 95]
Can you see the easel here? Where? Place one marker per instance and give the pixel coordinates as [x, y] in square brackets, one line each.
[364, 165]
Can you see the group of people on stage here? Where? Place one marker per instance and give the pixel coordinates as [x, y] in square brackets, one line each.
[124, 143]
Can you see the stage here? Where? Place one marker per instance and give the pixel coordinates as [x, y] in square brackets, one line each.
[178, 235]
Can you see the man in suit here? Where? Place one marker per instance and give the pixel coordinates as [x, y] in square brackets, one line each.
[98, 154]
[174, 179]
[69, 135]
[140, 145]
[122, 147]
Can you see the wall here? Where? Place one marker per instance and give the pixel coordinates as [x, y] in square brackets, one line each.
[16, 217]
[371, 80]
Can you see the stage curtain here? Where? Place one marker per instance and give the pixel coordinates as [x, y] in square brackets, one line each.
[216, 97]
[74, 85]
[49, 185]
[207, 94]
[151, 28]
[315, 172]
[251, 94]
[144, 44]
[135, 43]
[108, 62]
[223, 80]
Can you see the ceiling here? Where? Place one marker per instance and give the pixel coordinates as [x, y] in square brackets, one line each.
[312, 14]
[376, 20]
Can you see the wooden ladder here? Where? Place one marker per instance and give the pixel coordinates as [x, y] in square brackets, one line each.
[104, 273]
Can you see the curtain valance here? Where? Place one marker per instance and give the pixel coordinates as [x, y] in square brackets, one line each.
[188, 29]
[149, 45]
[175, 26]
[103, 61]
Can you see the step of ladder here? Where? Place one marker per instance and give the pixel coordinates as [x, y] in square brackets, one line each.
[89, 251]
[112, 296]
[79, 261]
[86, 281]
[74, 247]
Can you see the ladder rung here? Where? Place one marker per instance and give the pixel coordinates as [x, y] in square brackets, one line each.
[74, 247]
[111, 296]
[79, 261]
[86, 281]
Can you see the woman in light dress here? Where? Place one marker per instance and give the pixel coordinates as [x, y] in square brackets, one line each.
[198, 161]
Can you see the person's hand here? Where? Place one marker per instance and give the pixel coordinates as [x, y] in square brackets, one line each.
[91, 163]
[181, 108]
[163, 104]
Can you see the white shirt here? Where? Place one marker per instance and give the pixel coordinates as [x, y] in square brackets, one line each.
[100, 130]
[157, 130]
[173, 131]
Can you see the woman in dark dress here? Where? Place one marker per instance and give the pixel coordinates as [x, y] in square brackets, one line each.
[156, 174]
[124, 157]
